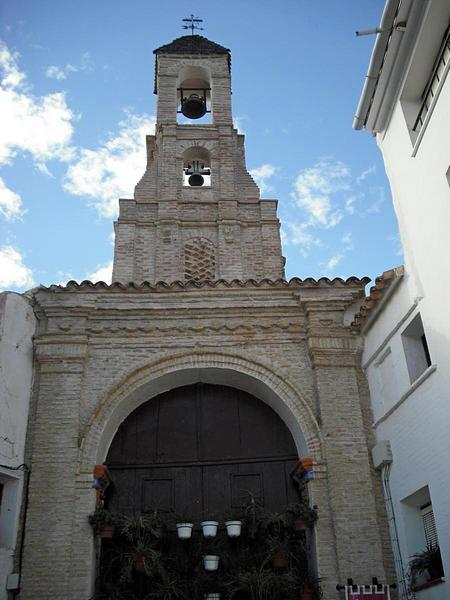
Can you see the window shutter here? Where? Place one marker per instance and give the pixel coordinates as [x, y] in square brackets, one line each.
[429, 525]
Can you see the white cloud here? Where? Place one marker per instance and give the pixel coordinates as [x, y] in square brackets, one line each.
[12, 76]
[370, 171]
[333, 262]
[13, 272]
[314, 190]
[41, 126]
[298, 235]
[262, 174]
[347, 241]
[112, 170]
[10, 203]
[103, 273]
[60, 73]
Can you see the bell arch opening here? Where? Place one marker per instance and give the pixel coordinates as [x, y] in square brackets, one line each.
[196, 167]
[194, 95]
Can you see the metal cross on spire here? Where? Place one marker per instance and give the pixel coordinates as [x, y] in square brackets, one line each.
[194, 24]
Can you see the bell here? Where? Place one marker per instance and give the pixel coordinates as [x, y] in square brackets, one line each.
[193, 107]
[196, 180]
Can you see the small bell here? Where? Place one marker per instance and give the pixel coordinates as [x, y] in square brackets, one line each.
[196, 173]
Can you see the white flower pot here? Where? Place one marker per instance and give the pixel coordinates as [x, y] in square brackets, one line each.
[213, 596]
[233, 528]
[209, 528]
[211, 562]
[184, 530]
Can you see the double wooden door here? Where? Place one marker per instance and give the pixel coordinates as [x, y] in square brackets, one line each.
[201, 450]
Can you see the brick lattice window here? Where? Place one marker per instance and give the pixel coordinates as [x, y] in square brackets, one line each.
[199, 260]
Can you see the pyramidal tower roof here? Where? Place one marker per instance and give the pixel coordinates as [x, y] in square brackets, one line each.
[192, 44]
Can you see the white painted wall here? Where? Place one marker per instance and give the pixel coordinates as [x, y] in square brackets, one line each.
[17, 325]
[418, 425]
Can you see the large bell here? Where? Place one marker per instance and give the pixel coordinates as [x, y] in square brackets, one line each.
[196, 180]
[193, 107]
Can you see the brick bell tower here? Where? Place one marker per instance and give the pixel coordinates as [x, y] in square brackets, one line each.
[196, 213]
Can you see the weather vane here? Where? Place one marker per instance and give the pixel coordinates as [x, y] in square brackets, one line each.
[193, 24]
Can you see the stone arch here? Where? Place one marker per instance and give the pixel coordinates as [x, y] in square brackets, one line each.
[170, 372]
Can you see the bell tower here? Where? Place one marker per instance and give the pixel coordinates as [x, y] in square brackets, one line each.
[196, 212]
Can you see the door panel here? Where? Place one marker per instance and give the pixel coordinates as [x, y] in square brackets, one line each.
[201, 449]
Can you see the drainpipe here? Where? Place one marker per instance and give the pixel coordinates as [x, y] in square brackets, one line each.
[376, 61]
[382, 461]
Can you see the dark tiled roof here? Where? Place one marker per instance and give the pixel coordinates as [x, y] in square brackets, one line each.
[295, 282]
[377, 292]
[190, 44]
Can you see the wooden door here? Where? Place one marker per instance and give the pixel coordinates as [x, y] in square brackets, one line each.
[200, 449]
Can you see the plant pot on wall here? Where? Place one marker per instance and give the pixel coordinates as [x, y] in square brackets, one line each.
[209, 528]
[184, 530]
[233, 528]
[211, 562]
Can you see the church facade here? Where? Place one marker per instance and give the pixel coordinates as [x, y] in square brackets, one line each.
[198, 315]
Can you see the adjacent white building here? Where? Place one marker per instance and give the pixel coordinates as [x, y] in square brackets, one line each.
[17, 326]
[405, 103]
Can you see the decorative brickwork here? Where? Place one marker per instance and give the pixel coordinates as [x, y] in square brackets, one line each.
[199, 260]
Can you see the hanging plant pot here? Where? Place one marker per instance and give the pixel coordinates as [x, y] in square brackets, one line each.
[233, 528]
[107, 532]
[211, 562]
[279, 560]
[209, 528]
[300, 525]
[184, 530]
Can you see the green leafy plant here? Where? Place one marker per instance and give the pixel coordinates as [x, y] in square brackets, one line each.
[428, 562]
[301, 512]
[170, 588]
[255, 584]
[100, 519]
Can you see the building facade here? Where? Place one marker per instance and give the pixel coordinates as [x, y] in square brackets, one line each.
[17, 326]
[405, 103]
[199, 301]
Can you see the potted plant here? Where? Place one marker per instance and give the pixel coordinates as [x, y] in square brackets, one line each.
[142, 557]
[275, 523]
[184, 526]
[138, 528]
[254, 583]
[302, 516]
[102, 522]
[209, 528]
[279, 551]
[169, 588]
[428, 563]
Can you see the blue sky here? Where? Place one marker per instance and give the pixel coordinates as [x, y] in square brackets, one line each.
[77, 100]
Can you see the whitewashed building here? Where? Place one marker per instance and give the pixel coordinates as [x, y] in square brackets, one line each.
[405, 103]
[17, 325]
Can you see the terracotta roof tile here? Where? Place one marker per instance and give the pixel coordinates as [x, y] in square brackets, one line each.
[377, 292]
